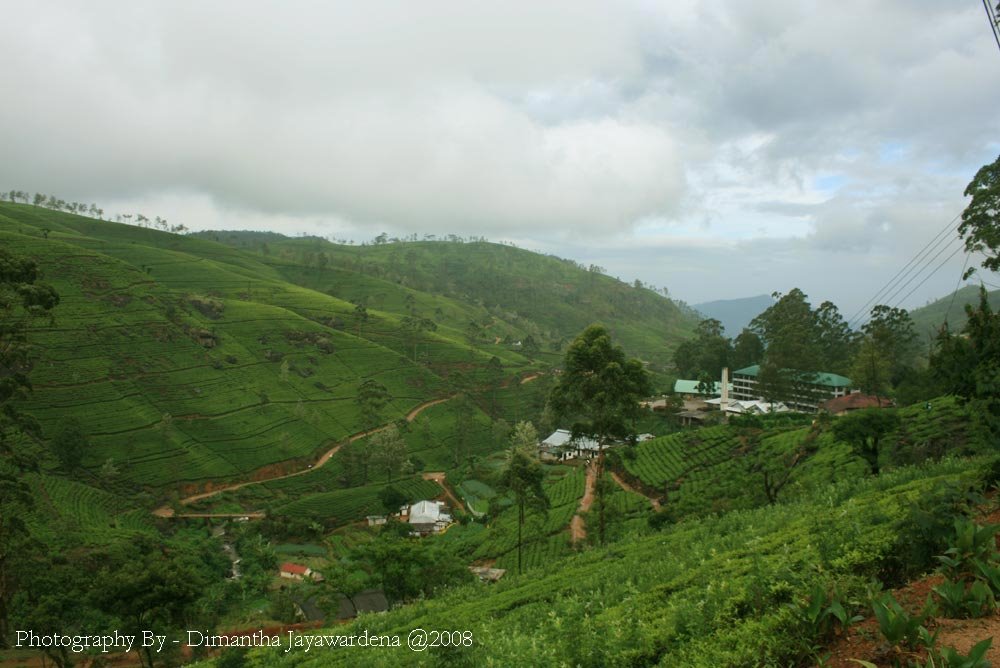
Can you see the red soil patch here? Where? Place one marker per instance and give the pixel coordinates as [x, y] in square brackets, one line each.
[863, 640]
[577, 527]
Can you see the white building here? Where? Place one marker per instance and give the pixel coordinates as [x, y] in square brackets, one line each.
[561, 445]
[428, 517]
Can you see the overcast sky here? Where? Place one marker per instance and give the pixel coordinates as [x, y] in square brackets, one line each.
[719, 149]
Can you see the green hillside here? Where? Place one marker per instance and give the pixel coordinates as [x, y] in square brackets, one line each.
[187, 361]
[519, 293]
[720, 468]
[190, 363]
[724, 591]
[928, 319]
[221, 377]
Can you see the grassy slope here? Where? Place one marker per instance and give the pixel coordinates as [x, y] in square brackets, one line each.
[707, 593]
[518, 292]
[707, 470]
[123, 353]
[927, 319]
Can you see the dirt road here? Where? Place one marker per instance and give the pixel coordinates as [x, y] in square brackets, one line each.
[577, 527]
[628, 488]
[167, 511]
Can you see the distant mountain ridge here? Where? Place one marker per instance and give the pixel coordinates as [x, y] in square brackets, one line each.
[735, 314]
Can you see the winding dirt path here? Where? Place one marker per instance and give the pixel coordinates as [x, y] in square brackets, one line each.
[628, 488]
[439, 478]
[577, 527]
[167, 511]
[164, 510]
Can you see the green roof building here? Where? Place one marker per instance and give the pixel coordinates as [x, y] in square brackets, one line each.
[819, 387]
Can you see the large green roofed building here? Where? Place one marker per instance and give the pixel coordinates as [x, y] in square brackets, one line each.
[822, 386]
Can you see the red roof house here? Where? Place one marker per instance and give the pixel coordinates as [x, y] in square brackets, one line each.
[294, 571]
[854, 402]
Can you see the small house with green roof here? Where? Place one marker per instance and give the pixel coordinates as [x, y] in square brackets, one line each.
[820, 387]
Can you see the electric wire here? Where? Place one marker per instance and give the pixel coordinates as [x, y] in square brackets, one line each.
[936, 270]
[991, 17]
[957, 283]
[931, 245]
[893, 296]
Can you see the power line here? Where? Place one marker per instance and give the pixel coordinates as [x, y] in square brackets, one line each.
[926, 265]
[953, 294]
[991, 17]
[891, 284]
[917, 286]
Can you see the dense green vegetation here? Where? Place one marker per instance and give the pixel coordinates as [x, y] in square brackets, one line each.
[522, 294]
[927, 320]
[176, 364]
[721, 467]
[186, 360]
[724, 591]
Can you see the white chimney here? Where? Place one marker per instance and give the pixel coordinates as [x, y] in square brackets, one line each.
[724, 404]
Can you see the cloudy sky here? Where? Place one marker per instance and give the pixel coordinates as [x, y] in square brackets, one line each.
[719, 149]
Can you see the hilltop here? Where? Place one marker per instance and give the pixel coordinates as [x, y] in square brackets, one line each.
[521, 293]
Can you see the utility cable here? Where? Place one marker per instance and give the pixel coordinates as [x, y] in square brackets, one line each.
[957, 283]
[991, 17]
[938, 268]
[893, 282]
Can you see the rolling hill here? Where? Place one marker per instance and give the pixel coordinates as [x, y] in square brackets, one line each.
[190, 362]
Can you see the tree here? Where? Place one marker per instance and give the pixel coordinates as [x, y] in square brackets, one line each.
[360, 314]
[391, 499]
[388, 451]
[864, 431]
[21, 300]
[706, 384]
[144, 587]
[981, 218]
[837, 342]
[707, 353]
[789, 331]
[600, 390]
[747, 349]
[405, 569]
[413, 326]
[524, 437]
[371, 398]
[523, 478]
[69, 443]
[773, 461]
[890, 331]
[500, 432]
[969, 365]
[870, 372]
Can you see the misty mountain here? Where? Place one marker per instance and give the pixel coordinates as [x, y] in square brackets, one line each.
[735, 314]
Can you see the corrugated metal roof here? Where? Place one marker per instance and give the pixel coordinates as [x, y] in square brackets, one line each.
[691, 387]
[822, 377]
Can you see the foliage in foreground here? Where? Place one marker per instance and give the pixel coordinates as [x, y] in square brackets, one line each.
[723, 591]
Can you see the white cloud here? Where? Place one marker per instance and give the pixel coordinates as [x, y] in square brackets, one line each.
[837, 137]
